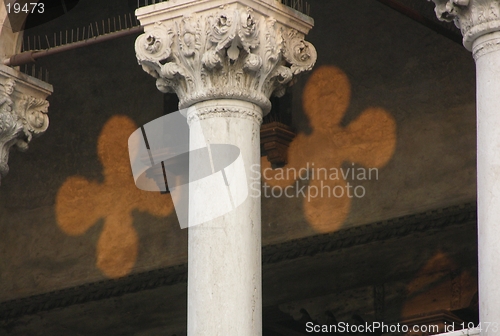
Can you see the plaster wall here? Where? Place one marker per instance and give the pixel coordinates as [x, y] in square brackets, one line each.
[413, 79]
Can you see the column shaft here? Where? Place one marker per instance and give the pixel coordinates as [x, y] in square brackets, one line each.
[487, 54]
[224, 60]
[224, 254]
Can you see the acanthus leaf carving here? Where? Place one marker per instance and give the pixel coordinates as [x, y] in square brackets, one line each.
[229, 52]
[22, 118]
[474, 18]
[450, 9]
[35, 116]
[10, 127]
[189, 37]
[298, 52]
[153, 49]
[249, 31]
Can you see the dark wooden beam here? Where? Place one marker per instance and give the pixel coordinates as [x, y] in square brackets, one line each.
[423, 13]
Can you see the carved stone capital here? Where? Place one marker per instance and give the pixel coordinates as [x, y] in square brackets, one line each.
[243, 49]
[23, 112]
[473, 17]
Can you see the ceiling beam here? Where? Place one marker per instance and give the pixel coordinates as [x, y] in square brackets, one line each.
[419, 12]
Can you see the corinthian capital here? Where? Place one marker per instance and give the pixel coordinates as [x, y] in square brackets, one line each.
[243, 49]
[473, 17]
[23, 112]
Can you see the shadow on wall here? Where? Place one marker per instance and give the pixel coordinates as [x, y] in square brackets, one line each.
[80, 203]
[441, 284]
[370, 141]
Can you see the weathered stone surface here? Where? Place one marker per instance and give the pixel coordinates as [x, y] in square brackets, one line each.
[245, 50]
[224, 62]
[23, 112]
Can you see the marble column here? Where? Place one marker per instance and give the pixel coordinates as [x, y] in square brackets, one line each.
[479, 22]
[224, 59]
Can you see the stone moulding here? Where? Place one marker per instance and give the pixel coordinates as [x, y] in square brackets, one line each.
[23, 112]
[240, 49]
[227, 111]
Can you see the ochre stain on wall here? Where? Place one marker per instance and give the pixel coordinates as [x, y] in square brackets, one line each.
[439, 285]
[370, 141]
[80, 203]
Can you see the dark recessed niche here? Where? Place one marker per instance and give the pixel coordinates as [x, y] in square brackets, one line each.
[281, 110]
[170, 103]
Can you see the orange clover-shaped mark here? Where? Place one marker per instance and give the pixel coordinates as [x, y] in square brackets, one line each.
[369, 140]
[80, 203]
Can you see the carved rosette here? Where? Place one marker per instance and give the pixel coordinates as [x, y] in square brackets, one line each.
[473, 17]
[23, 112]
[227, 52]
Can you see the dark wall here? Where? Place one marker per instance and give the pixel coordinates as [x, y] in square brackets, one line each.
[419, 87]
